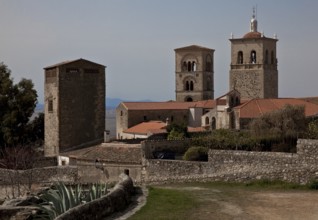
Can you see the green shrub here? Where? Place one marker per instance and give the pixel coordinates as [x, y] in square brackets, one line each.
[313, 129]
[177, 131]
[313, 185]
[196, 154]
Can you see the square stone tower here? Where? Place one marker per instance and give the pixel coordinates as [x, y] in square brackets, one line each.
[254, 65]
[194, 73]
[74, 105]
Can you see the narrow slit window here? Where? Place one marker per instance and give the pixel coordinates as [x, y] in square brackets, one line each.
[50, 105]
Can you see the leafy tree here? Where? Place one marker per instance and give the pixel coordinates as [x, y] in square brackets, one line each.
[177, 131]
[17, 104]
[313, 129]
[288, 122]
[35, 129]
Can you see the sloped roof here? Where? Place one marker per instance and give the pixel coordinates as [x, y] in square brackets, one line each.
[193, 47]
[311, 99]
[253, 35]
[145, 127]
[71, 61]
[171, 105]
[205, 104]
[108, 152]
[158, 105]
[256, 107]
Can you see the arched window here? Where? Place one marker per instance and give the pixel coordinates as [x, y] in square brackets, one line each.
[213, 123]
[194, 66]
[253, 56]
[191, 85]
[207, 121]
[188, 99]
[184, 66]
[189, 66]
[272, 57]
[240, 57]
[187, 86]
[266, 57]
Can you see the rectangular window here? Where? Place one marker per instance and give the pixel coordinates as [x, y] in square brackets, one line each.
[91, 71]
[50, 105]
[72, 70]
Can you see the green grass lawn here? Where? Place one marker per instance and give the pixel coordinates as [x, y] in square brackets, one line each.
[215, 200]
[166, 204]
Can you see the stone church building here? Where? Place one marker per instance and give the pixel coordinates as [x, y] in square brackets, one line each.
[253, 81]
[254, 64]
[194, 73]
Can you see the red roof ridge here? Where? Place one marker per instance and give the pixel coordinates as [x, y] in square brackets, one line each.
[258, 106]
[244, 104]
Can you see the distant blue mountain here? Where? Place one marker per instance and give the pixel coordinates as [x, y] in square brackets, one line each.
[111, 103]
[39, 107]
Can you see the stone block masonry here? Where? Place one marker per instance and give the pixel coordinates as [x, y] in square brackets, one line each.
[117, 200]
[237, 166]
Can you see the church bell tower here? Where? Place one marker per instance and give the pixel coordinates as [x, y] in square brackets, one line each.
[253, 69]
[194, 73]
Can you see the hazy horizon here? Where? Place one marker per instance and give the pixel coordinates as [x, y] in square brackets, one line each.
[136, 40]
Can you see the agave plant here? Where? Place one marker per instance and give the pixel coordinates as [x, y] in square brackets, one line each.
[58, 200]
[96, 191]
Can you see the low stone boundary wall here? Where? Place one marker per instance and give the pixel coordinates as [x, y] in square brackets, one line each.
[236, 166]
[151, 146]
[117, 200]
[106, 172]
[39, 175]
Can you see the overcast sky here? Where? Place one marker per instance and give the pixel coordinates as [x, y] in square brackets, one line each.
[136, 39]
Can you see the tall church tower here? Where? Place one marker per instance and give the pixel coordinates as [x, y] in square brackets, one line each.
[254, 64]
[194, 73]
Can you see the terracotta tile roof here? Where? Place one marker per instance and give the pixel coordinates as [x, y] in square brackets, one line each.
[172, 105]
[196, 129]
[205, 104]
[158, 131]
[191, 47]
[311, 99]
[256, 107]
[145, 127]
[70, 61]
[253, 35]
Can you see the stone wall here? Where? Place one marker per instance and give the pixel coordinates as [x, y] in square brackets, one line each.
[117, 200]
[45, 162]
[167, 171]
[107, 172]
[238, 166]
[44, 175]
[151, 146]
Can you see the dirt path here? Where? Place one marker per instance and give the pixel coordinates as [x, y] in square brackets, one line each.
[239, 203]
